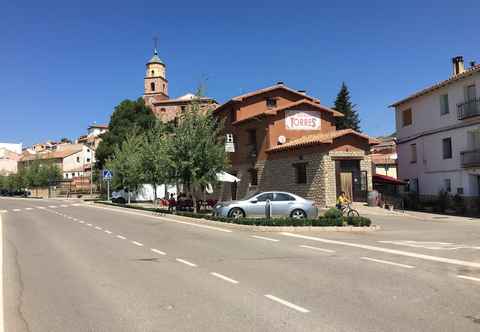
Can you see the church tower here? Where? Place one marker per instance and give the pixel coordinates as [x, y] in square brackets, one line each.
[156, 84]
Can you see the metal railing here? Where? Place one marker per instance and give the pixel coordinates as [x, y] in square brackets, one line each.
[468, 109]
[470, 158]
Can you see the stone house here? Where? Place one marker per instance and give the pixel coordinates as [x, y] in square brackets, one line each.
[283, 139]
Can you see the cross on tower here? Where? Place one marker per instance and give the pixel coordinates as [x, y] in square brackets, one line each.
[155, 42]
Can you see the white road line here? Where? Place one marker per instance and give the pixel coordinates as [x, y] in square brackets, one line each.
[81, 221]
[41, 207]
[221, 276]
[3, 211]
[121, 237]
[387, 262]
[75, 204]
[186, 262]
[317, 249]
[157, 251]
[28, 209]
[286, 303]
[107, 231]
[124, 210]
[16, 210]
[389, 251]
[63, 205]
[2, 324]
[89, 225]
[137, 243]
[99, 228]
[265, 238]
[52, 206]
[469, 278]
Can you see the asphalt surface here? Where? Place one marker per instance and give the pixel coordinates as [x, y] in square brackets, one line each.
[70, 266]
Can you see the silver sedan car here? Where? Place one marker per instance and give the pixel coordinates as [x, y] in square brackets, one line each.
[282, 204]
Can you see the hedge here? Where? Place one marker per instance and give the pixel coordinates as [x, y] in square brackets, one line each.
[322, 221]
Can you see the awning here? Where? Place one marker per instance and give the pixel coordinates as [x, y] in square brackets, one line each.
[378, 178]
[225, 177]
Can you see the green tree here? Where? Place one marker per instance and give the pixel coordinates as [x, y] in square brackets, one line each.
[157, 165]
[197, 150]
[126, 163]
[345, 106]
[127, 116]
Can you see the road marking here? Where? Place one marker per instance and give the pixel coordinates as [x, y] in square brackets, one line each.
[75, 219]
[157, 251]
[52, 206]
[387, 262]
[431, 245]
[390, 251]
[318, 249]
[137, 243]
[63, 205]
[124, 210]
[2, 326]
[286, 303]
[28, 209]
[186, 262]
[89, 225]
[41, 207]
[76, 204]
[16, 210]
[99, 228]
[221, 276]
[3, 211]
[469, 278]
[81, 221]
[107, 231]
[121, 237]
[265, 238]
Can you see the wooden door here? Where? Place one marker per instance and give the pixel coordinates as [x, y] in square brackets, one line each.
[346, 183]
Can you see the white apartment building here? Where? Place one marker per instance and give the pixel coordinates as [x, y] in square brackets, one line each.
[438, 135]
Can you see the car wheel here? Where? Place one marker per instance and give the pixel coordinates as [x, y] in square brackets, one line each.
[236, 213]
[298, 214]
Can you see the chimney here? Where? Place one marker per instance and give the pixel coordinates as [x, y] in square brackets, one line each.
[303, 92]
[472, 64]
[279, 83]
[458, 66]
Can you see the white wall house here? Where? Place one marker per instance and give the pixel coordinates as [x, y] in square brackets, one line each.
[79, 162]
[438, 135]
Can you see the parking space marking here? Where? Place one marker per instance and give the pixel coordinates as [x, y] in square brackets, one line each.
[265, 238]
[286, 303]
[387, 262]
[157, 251]
[468, 278]
[317, 249]
[221, 276]
[186, 262]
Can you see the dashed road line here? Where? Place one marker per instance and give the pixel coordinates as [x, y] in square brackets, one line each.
[16, 210]
[387, 262]
[107, 231]
[265, 238]
[221, 276]
[387, 250]
[157, 251]
[99, 228]
[137, 243]
[52, 206]
[63, 205]
[41, 207]
[186, 262]
[286, 303]
[89, 225]
[81, 222]
[317, 249]
[121, 237]
[3, 211]
[468, 278]
[28, 208]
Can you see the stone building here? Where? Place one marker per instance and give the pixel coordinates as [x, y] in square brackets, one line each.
[156, 93]
[284, 139]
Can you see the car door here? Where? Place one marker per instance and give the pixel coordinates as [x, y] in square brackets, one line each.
[282, 205]
[256, 205]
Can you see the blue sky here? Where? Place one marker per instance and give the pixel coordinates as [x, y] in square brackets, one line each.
[66, 64]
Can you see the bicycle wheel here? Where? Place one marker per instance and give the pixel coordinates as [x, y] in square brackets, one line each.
[353, 213]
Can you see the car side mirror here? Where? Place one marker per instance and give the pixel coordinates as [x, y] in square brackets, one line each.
[254, 200]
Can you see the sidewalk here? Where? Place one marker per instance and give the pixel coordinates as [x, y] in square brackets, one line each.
[378, 211]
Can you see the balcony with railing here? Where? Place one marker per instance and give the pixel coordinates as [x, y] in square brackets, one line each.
[470, 158]
[468, 109]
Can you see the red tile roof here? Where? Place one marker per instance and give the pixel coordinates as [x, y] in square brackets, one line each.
[321, 138]
[468, 72]
[378, 178]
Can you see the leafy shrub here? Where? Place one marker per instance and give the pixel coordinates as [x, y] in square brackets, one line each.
[333, 213]
[443, 200]
[357, 221]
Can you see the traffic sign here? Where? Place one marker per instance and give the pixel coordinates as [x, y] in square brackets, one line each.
[107, 174]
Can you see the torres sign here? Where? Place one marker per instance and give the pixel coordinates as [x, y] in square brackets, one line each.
[302, 120]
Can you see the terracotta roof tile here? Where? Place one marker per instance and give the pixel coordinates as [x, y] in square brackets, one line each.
[321, 138]
[59, 154]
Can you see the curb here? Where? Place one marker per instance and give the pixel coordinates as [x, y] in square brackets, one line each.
[251, 228]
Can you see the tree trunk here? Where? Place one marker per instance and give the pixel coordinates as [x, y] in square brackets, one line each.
[129, 197]
[154, 195]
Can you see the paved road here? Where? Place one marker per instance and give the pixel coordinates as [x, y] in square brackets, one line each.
[74, 267]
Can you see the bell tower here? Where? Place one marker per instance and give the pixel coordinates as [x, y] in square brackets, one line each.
[156, 84]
